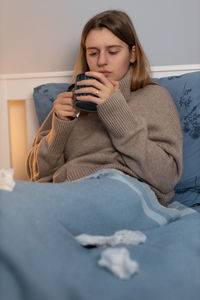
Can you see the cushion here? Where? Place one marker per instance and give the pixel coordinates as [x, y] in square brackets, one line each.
[44, 96]
[185, 91]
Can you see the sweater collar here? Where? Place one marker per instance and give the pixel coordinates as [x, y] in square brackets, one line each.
[125, 84]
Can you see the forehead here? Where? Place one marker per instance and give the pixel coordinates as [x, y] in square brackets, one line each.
[98, 38]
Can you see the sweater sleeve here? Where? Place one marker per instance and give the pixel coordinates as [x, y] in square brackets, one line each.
[47, 152]
[146, 132]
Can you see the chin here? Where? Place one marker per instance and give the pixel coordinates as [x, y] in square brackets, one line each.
[111, 77]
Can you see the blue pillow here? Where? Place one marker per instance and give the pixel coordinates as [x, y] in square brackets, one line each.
[185, 91]
[188, 198]
[44, 96]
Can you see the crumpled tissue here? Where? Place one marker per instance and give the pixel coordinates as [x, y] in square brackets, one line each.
[6, 179]
[118, 261]
[122, 237]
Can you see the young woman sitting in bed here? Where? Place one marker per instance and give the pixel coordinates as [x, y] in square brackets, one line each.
[136, 128]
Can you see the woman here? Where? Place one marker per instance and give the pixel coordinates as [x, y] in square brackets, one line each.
[136, 128]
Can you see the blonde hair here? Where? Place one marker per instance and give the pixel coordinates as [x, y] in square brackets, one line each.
[120, 24]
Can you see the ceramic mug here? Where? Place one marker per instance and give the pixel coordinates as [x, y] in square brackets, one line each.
[84, 105]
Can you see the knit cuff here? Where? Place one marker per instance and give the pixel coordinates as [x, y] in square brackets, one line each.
[59, 134]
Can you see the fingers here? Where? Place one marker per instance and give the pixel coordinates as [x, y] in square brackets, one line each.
[89, 83]
[99, 76]
[102, 89]
[87, 90]
[101, 80]
[63, 106]
[89, 98]
[65, 95]
[100, 83]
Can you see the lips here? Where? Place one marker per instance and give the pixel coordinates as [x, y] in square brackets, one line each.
[105, 73]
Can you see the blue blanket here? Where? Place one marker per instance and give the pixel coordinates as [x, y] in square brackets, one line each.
[41, 259]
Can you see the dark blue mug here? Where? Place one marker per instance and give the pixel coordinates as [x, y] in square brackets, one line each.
[84, 105]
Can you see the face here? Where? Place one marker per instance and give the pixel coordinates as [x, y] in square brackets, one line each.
[107, 54]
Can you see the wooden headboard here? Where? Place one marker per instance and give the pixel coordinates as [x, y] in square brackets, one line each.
[18, 117]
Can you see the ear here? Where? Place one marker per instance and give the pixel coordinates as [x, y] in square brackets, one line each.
[133, 55]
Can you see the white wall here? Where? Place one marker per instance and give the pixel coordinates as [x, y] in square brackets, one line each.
[43, 35]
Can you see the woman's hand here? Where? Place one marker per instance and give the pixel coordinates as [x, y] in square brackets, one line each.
[63, 106]
[103, 89]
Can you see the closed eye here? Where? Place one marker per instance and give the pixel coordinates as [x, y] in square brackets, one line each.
[92, 53]
[113, 52]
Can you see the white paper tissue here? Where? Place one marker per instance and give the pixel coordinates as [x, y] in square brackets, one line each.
[118, 261]
[6, 179]
[121, 237]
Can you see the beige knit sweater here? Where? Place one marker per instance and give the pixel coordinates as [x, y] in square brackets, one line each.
[135, 132]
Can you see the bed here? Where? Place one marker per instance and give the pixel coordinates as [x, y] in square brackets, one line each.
[41, 257]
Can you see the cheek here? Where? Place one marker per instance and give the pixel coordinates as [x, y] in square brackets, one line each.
[91, 63]
[125, 62]
[122, 66]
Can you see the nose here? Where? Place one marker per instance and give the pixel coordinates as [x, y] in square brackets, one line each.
[102, 59]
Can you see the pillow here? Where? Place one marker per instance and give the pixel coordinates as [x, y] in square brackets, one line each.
[188, 198]
[185, 91]
[44, 96]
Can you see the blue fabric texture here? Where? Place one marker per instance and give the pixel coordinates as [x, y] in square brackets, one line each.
[41, 259]
[44, 96]
[185, 91]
